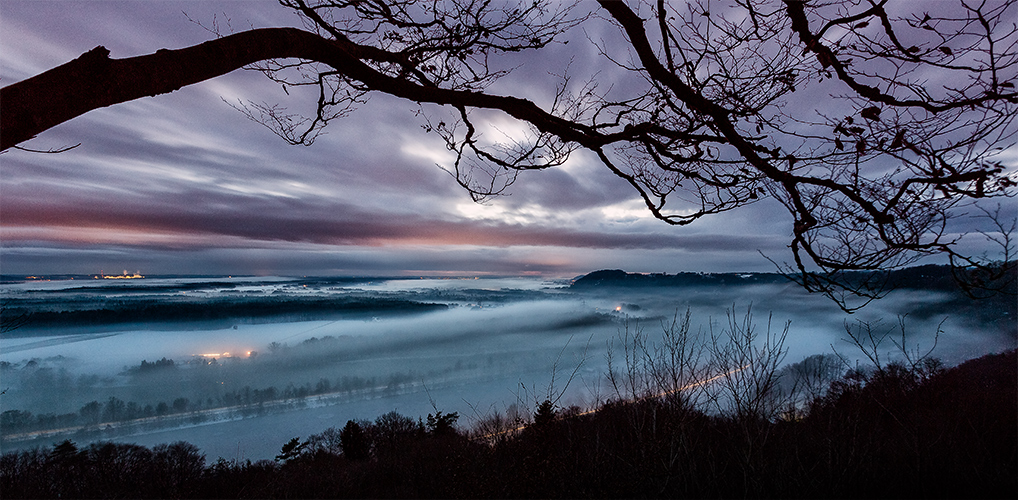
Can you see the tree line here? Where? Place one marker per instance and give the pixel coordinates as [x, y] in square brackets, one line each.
[96, 415]
[233, 309]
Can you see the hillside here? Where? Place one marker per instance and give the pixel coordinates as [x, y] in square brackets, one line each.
[926, 277]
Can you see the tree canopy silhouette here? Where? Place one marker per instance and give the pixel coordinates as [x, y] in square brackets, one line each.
[876, 125]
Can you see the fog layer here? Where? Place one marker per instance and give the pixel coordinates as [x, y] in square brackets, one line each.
[255, 373]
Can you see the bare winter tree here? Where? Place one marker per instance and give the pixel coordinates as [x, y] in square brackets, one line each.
[918, 101]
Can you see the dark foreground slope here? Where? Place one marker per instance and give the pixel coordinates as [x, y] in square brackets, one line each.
[896, 432]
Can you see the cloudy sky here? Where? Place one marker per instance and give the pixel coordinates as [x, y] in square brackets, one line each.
[183, 183]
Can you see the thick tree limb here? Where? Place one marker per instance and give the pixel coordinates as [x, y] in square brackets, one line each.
[94, 81]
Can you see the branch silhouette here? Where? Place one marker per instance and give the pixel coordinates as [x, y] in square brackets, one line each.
[873, 179]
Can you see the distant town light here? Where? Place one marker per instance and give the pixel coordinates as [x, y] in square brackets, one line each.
[123, 276]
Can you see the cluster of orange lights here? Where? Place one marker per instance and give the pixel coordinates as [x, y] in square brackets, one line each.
[221, 355]
[123, 276]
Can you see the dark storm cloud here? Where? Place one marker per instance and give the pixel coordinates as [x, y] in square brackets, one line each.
[298, 220]
[269, 260]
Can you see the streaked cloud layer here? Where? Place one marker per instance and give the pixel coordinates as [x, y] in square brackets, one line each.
[183, 183]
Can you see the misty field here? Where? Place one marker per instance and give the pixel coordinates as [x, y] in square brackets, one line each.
[238, 366]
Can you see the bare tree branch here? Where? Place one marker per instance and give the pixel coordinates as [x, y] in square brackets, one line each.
[917, 108]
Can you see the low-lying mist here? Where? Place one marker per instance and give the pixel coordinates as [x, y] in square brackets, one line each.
[470, 346]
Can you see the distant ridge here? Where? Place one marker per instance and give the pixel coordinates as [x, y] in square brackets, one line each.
[620, 278]
[925, 277]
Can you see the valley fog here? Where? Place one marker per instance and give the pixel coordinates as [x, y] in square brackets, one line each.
[242, 382]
